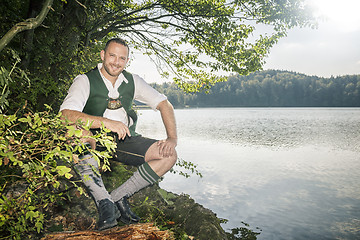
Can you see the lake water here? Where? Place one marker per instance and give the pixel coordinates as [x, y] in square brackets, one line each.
[294, 173]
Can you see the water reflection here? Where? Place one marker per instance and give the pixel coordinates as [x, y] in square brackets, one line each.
[291, 172]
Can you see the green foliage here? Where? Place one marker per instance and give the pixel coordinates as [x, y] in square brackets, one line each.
[243, 233]
[36, 155]
[196, 40]
[14, 76]
[4, 84]
[185, 166]
[272, 88]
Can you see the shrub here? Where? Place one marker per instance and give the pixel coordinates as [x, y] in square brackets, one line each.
[36, 156]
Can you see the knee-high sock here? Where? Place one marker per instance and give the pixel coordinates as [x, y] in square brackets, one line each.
[92, 178]
[143, 177]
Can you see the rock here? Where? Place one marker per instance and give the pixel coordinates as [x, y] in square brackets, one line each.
[181, 211]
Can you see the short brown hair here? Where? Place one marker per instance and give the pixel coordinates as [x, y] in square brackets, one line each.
[117, 40]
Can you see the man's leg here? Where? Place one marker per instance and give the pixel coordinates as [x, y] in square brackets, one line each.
[88, 170]
[153, 167]
[143, 177]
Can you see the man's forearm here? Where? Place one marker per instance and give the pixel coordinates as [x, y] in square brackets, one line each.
[96, 122]
[168, 117]
[73, 116]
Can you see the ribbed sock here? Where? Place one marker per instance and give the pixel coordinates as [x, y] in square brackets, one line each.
[92, 178]
[143, 177]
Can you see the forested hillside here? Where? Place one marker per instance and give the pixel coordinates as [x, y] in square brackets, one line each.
[272, 88]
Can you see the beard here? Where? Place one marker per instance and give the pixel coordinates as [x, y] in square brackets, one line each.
[110, 71]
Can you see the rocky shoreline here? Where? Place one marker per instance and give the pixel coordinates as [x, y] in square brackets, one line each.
[178, 215]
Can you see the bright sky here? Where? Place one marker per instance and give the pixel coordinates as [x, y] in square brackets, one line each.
[333, 49]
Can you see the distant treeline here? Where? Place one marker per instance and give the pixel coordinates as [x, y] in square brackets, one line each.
[271, 88]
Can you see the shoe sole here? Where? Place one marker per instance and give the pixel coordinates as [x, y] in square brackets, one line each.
[108, 225]
[125, 221]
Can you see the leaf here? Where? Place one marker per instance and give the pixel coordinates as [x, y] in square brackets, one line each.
[63, 170]
[38, 226]
[32, 214]
[68, 175]
[24, 120]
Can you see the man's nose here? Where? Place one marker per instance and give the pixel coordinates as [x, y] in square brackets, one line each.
[117, 61]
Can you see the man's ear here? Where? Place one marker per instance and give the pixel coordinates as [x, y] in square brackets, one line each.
[102, 55]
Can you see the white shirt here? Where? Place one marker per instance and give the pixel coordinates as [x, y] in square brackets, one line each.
[79, 92]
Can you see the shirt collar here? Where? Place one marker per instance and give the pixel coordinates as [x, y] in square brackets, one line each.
[120, 78]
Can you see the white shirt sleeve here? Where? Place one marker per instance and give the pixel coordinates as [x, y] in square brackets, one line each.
[146, 94]
[77, 95]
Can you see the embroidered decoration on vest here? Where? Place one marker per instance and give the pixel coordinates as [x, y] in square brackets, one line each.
[114, 104]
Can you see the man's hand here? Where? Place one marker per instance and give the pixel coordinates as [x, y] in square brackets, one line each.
[167, 147]
[117, 127]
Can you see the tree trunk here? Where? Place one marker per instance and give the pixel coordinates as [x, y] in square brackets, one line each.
[34, 8]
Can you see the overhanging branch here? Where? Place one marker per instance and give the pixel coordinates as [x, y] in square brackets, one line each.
[28, 24]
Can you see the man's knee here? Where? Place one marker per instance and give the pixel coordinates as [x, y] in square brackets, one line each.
[85, 136]
[172, 159]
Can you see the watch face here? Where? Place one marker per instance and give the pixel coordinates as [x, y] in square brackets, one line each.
[114, 104]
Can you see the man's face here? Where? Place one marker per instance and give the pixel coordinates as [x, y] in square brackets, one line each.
[114, 59]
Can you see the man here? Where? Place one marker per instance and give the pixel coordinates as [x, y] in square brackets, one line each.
[105, 95]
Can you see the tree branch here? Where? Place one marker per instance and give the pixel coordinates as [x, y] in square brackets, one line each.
[28, 24]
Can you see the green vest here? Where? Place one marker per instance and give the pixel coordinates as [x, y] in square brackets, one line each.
[98, 99]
